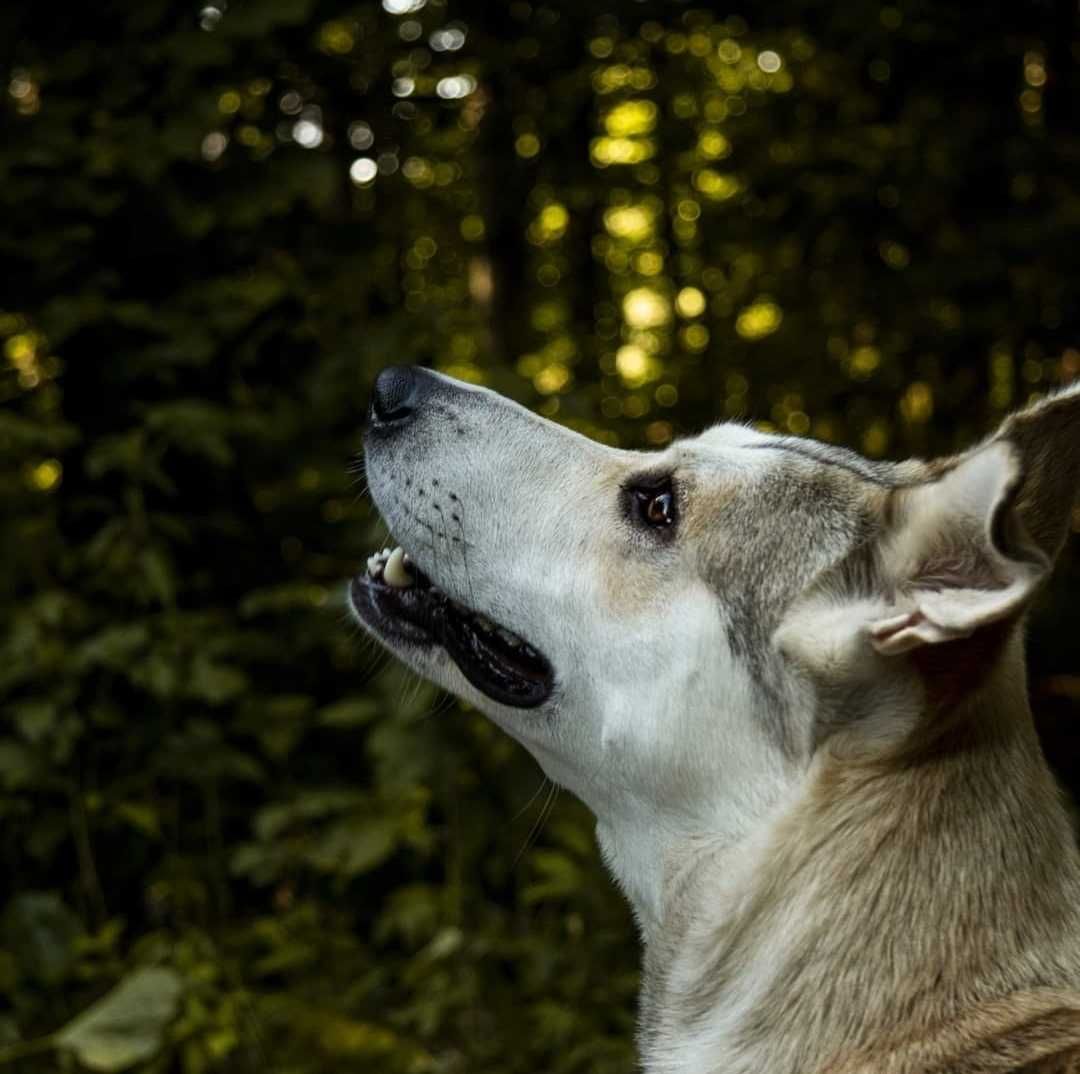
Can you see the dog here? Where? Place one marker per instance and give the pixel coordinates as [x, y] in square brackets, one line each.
[789, 683]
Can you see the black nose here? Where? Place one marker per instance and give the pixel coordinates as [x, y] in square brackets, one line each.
[395, 395]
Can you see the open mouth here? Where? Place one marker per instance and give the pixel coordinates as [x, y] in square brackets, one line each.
[396, 598]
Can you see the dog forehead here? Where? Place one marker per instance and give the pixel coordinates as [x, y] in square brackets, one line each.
[741, 448]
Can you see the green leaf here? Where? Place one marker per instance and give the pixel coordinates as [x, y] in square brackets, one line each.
[354, 846]
[273, 821]
[215, 683]
[18, 765]
[141, 816]
[350, 712]
[126, 1025]
[559, 877]
[114, 647]
[41, 932]
[159, 574]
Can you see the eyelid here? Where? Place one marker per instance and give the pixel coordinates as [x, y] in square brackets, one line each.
[655, 482]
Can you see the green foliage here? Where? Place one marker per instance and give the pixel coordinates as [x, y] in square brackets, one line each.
[126, 1025]
[217, 807]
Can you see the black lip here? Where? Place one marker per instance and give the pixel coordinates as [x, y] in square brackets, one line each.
[519, 677]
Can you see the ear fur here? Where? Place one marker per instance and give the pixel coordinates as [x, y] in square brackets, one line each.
[1047, 438]
[970, 548]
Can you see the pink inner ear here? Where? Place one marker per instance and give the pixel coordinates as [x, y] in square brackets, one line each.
[888, 627]
[968, 568]
[898, 634]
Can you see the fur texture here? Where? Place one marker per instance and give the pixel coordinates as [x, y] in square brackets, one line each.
[800, 719]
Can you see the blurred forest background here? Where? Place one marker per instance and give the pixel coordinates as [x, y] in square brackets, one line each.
[234, 840]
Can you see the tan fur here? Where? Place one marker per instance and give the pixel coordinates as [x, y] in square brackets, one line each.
[1026, 1033]
[927, 890]
[800, 717]
[943, 946]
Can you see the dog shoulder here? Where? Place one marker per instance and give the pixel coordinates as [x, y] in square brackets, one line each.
[1026, 1033]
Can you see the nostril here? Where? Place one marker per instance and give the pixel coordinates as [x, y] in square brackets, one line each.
[394, 395]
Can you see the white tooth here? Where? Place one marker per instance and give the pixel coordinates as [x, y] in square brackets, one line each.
[394, 573]
[372, 563]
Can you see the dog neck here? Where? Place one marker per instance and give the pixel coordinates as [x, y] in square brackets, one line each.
[879, 898]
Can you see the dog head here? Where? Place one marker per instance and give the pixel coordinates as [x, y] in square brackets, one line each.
[674, 634]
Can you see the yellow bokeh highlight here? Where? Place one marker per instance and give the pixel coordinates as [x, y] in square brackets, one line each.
[759, 319]
[606, 151]
[875, 439]
[336, 37]
[419, 172]
[718, 186]
[548, 316]
[21, 349]
[550, 224]
[917, 403]
[690, 302]
[631, 118]
[659, 432]
[472, 228]
[649, 263]
[728, 50]
[527, 145]
[229, 102]
[644, 307]
[46, 475]
[636, 366]
[695, 338]
[895, 254]
[864, 361]
[621, 76]
[713, 145]
[688, 209]
[798, 422]
[552, 378]
[634, 223]
[667, 395]
[631, 361]
[467, 371]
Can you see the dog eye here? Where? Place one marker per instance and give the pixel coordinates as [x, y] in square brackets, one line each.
[658, 508]
[653, 505]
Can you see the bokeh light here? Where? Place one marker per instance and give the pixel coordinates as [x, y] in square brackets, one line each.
[644, 307]
[759, 319]
[363, 170]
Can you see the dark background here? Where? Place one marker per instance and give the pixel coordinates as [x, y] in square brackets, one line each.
[851, 220]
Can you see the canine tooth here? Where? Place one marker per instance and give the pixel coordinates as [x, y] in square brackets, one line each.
[394, 573]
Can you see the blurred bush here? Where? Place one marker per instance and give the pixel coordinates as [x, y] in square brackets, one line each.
[850, 221]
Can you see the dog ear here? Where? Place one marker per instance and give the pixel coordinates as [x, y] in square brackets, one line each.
[970, 548]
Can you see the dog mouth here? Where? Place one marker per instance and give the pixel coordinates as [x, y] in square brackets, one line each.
[401, 603]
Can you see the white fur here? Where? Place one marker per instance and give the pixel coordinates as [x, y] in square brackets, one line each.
[657, 724]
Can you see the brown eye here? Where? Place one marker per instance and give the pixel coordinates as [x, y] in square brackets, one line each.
[652, 504]
[660, 509]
